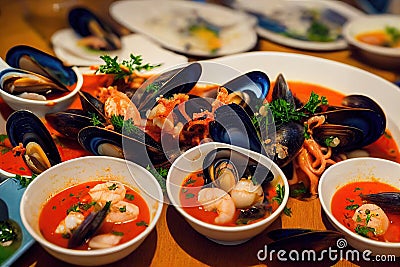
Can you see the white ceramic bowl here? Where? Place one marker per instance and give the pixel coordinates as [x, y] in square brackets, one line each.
[191, 161]
[383, 56]
[40, 108]
[81, 170]
[352, 170]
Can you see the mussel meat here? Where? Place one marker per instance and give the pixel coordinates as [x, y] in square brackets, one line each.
[23, 127]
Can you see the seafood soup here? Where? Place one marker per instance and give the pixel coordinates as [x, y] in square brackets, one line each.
[113, 213]
[365, 210]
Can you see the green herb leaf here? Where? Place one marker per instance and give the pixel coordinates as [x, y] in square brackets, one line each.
[7, 232]
[189, 195]
[142, 223]
[364, 230]
[24, 181]
[129, 196]
[280, 191]
[117, 233]
[122, 209]
[113, 187]
[156, 172]
[352, 207]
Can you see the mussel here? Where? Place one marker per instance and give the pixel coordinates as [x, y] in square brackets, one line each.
[224, 167]
[88, 227]
[34, 74]
[24, 127]
[87, 24]
[388, 201]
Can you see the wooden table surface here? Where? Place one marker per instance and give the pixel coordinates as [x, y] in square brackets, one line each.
[174, 242]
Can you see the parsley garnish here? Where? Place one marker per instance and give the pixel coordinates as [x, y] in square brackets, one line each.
[364, 230]
[160, 174]
[7, 232]
[394, 34]
[189, 195]
[126, 68]
[357, 189]
[129, 196]
[352, 207]
[123, 126]
[189, 181]
[142, 223]
[23, 180]
[117, 233]
[280, 193]
[113, 186]
[94, 119]
[122, 209]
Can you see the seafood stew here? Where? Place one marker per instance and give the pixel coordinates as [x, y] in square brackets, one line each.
[352, 206]
[387, 37]
[64, 216]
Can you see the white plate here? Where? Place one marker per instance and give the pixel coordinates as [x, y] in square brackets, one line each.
[163, 21]
[290, 10]
[65, 45]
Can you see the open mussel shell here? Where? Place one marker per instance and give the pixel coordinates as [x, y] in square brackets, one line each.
[85, 23]
[92, 106]
[251, 89]
[180, 80]
[371, 124]
[138, 147]
[362, 101]
[291, 137]
[69, 122]
[224, 167]
[232, 125]
[25, 127]
[34, 60]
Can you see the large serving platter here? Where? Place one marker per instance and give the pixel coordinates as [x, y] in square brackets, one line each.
[292, 9]
[159, 19]
[296, 67]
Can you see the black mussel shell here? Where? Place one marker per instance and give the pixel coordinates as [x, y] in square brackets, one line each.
[290, 136]
[23, 126]
[232, 125]
[281, 90]
[388, 201]
[34, 60]
[88, 227]
[194, 105]
[253, 213]
[85, 23]
[92, 106]
[69, 122]
[254, 87]
[167, 84]
[244, 166]
[362, 101]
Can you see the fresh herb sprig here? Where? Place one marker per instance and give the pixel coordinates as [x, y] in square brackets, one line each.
[160, 174]
[121, 125]
[23, 180]
[125, 68]
[280, 193]
[284, 111]
[394, 34]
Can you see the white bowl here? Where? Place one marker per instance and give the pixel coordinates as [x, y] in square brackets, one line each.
[39, 107]
[191, 161]
[81, 170]
[352, 170]
[383, 56]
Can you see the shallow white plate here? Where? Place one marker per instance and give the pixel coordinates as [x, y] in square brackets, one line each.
[160, 20]
[65, 45]
[270, 7]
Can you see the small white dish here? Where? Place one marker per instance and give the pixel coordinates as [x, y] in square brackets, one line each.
[165, 24]
[354, 170]
[383, 56]
[289, 10]
[80, 170]
[192, 161]
[66, 48]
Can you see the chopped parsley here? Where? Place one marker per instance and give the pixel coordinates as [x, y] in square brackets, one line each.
[160, 174]
[142, 223]
[124, 126]
[189, 195]
[364, 230]
[352, 207]
[23, 180]
[122, 209]
[117, 233]
[113, 187]
[7, 232]
[189, 181]
[129, 196]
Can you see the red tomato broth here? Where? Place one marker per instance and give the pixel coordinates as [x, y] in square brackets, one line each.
[349, 194]
[55, 210]
[188, 199]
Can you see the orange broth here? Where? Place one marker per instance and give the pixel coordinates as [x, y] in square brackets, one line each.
[377, 38]
[349, 194]
[55, 210]
[188, 200]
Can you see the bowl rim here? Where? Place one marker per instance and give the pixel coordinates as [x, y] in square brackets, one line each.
[336, 222]
[51, 102]
[231, 229]
[350, 37]
[94, 252]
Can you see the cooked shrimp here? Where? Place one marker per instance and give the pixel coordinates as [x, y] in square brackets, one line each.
[122, 212]
[104, 241]
[245, 194]
[71, 222]
[372, 216]
[119, 103]
[215, 199]
[109, 191]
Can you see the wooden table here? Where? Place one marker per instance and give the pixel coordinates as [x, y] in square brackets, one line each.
[174, 242]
